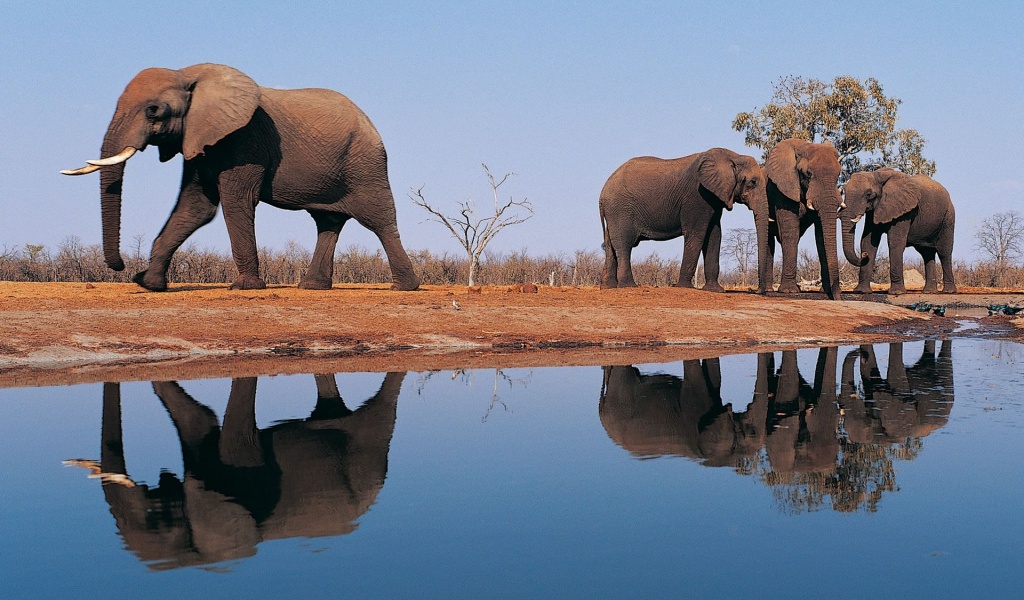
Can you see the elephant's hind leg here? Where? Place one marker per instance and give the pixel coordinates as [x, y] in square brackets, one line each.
[931, 282]
[320, 274]
[374, 208]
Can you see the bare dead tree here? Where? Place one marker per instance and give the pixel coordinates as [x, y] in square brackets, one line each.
[741, 246]
[1001, 237]
[475, 232]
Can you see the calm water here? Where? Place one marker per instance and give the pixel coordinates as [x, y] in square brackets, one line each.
[853, 472]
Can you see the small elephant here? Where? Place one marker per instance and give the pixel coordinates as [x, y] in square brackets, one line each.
[308, 149]
[912, 211]
[802, 178]
[650, 198]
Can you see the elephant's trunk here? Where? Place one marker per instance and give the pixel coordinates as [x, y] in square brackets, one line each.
[761, 224]
[111, 179]
[854, 256]
[828, 231]
[122, 134]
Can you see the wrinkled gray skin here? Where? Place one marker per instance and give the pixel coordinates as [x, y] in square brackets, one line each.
[909, 402]
[308, 149]
[650, 198]
[802, 192]
[243, 485]
[911, 211]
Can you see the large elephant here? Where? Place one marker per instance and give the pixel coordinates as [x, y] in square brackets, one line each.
[308, 149]
[243, 485]
[650, 198]
[802, 178]
[912, 211]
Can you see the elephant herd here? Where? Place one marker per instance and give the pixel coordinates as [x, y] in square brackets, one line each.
[314, 150]
[313, 477]
[649, 198]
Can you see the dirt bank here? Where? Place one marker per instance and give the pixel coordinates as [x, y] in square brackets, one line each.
[73, 332]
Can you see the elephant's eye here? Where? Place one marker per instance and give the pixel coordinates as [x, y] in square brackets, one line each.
[752, 183]
[870, 195]
[156, 111]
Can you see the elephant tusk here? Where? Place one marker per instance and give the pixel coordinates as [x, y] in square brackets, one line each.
[842, 205]
[809, 205]
[82, 171]
[117, 159]
[856, 219]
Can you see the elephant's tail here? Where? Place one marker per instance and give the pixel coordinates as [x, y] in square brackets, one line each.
[606, 244]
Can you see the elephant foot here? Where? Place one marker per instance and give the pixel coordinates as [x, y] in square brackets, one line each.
[948, 289]
[789, 288]
[930, 289]
[315, 284]
[248, 282]
[405, 285]
[897, 290]
[862, 289]
[152, 283]
[713, 287]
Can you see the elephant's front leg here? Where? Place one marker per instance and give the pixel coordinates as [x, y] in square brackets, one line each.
[320, 274]
[712, 258]
[788, 222]
[692, 245]
[193, 210]
[239, 192]
[897, 244]
[240, 444]
[869, 241]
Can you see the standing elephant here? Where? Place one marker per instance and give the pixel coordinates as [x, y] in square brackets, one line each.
[912, 211]
[308, 149]
[650, 198]
[802, 191]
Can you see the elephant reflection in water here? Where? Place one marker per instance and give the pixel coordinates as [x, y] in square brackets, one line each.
[243, 485]
[654, 415]
[798, 437]
[910, 402]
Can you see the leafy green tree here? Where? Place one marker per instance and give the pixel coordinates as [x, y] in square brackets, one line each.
[854, 116]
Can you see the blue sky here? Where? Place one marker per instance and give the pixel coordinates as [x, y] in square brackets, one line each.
[561, 93]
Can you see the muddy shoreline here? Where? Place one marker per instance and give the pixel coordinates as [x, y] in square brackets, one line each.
[82, 333]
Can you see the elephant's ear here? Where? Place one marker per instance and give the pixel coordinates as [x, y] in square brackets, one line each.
[899, 196]
[717, 172]
[223, 100]
[781, 167]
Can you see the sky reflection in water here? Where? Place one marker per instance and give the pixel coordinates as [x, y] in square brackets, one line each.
[791, 474]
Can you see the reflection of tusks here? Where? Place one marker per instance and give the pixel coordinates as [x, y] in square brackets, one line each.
[117, 159]
[82, 171]
[95, 472]
[854, 220]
